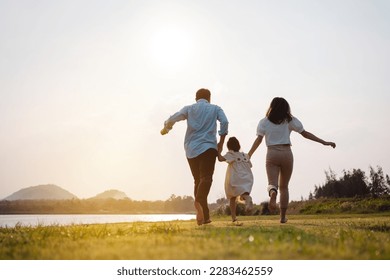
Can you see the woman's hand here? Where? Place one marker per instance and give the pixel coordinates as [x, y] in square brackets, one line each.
[330, 144]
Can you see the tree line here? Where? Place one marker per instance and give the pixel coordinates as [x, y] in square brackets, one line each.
[353, 183]
[175, 204]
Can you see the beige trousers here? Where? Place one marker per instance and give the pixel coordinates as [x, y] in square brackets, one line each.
[279, 166]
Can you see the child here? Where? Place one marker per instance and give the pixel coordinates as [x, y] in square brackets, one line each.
[239, 177]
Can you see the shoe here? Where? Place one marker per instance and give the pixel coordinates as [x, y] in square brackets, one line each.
[272, 202]
[248, 204]
[199, 213]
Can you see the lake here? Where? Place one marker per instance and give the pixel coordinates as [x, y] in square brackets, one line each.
[47, 220]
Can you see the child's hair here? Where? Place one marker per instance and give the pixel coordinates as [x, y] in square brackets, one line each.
[233, 144]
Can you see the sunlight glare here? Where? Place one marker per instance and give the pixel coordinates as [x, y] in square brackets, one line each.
[170, 47]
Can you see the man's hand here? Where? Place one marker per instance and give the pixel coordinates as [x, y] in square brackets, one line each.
[164, 131]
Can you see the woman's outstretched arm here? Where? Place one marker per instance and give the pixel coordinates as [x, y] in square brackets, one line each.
[314, 138]
[255, 145]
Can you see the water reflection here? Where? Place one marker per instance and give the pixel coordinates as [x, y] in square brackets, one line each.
[46, 220]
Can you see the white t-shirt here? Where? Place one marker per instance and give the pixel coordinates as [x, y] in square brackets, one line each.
[278, 134]
[239, 177]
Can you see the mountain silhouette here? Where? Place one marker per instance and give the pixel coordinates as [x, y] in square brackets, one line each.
[115, 194]
[41, 192]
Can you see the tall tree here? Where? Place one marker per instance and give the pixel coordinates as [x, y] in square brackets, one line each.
[378, 185]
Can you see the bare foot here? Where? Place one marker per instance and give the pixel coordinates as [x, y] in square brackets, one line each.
[283, 221]
[248, 204]
[199, 213]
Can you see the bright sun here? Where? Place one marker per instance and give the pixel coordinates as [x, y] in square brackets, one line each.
[170, 47]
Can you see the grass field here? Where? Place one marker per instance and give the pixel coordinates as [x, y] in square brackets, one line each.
[320, 237]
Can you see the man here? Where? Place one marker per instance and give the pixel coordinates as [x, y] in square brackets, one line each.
[201, 146]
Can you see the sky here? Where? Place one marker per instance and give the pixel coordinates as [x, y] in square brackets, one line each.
[85, 87]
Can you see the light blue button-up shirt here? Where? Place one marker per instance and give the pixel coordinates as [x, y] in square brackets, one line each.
[201, 132]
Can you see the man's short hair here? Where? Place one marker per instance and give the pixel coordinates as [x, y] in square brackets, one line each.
[203, 93]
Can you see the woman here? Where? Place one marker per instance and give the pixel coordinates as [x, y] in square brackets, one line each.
[276, 127]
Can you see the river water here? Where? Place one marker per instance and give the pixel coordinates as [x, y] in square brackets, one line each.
[47, 220]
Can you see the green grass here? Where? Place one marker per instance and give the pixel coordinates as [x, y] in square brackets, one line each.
[342, 205]
[304, 237]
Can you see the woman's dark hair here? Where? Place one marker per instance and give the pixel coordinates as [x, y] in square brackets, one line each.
[279, 111]
[233, 144]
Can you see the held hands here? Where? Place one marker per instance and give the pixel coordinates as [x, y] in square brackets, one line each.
[220, 148]
[220, 157]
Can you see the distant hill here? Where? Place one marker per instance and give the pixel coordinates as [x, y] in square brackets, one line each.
[115, 194]
[41, 192]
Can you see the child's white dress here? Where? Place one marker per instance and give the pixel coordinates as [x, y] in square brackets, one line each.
[239, 177]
